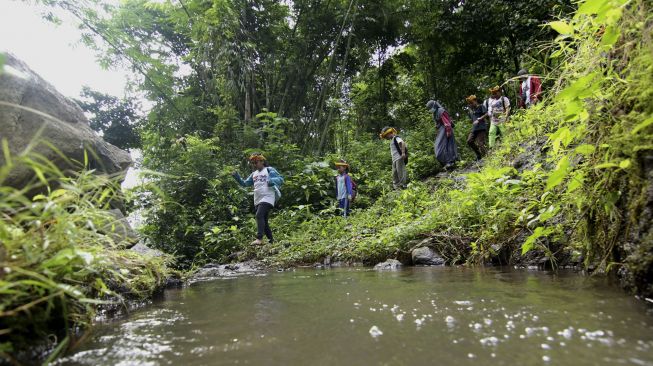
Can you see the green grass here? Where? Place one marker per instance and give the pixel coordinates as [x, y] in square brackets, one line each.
[576, 192]
[58, 259]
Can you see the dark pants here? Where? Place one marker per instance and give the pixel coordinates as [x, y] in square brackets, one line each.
[343, 205]
[476, 140]
[262, 225]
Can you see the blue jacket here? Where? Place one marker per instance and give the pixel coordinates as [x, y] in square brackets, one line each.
[275, 180]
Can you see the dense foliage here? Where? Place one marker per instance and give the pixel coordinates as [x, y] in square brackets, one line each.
[304, 82]
[117, 120]
[310, 82]
[60, 259]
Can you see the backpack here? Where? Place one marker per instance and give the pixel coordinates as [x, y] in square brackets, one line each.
[354, 189]
[277, 192]
[503, 103]
[394, 141]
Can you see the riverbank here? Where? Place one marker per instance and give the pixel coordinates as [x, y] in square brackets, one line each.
[571, 184]
[62, 263]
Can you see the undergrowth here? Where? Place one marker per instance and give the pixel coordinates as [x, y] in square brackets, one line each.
[59, 259]
[568, 182]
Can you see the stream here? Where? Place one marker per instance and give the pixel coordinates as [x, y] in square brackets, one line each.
[358, 316]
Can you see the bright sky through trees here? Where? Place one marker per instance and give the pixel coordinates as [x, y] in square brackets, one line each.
[54, 51]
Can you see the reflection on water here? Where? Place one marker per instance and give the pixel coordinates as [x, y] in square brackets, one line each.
[416, 316]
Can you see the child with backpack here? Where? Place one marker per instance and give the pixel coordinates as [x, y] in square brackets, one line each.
[345, 187]
[498, 110]
[266, 181]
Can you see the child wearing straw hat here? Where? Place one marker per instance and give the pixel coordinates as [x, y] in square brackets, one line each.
[399, 157]
[344, 187]
[499, 110]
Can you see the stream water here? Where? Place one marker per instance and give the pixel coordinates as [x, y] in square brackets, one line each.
[357, 316]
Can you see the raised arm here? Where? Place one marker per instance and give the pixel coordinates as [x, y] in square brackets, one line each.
[244, 183]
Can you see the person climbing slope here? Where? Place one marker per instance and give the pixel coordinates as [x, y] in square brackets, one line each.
[478, 135]
[446, 150]
[499, 111]
[530, 88]
[399, 154]
[344, 187]
[266, 181]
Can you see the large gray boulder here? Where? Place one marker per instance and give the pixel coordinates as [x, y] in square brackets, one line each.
[426, 256]
[32, 113]
[119, 229]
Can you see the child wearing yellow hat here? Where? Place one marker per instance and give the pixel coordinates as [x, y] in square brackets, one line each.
[344, 187]
[399, 155]
[499, 110]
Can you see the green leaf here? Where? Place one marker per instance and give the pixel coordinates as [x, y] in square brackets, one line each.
[576, 182]
[529, 244]
[625, 164]
[592, 6]
[2, 62]
[557, 176]
[585, 149]
[643, 125]
[610, 36]
[573, 109]
[561, 27]
[606, 165]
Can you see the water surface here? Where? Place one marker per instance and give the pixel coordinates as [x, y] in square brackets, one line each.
[355, 316]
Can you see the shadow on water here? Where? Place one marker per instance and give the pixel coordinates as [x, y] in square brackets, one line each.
[355, 316]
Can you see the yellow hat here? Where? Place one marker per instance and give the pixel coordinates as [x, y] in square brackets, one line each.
[495, 89]
[470, 98]
[256, 157]
[386, 131]
[342, 163]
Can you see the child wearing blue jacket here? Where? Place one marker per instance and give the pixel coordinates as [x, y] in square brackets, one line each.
[344, 187]
[266, 181]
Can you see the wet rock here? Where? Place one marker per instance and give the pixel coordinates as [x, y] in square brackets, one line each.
[390, 264]
[426, 256]
[214, 270]
[57, 120]
[144, 249]
[120, 230]
[174, 283]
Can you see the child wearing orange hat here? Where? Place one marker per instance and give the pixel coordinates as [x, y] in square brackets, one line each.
[266, 181]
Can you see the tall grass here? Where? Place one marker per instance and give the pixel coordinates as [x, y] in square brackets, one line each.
[58, 258]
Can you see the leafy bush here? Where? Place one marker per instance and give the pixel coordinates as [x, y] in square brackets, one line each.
[58, 259]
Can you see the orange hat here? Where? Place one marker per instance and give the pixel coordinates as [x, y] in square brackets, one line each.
[256, 157]
[341, 162]
[495, 89]
[470, 98]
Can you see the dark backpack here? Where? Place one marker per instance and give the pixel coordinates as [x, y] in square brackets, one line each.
[394, 141]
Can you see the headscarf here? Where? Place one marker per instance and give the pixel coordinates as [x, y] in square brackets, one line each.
[257, 156]
[523, 72]
[471, 98]
[436, 108]
[342, 162]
